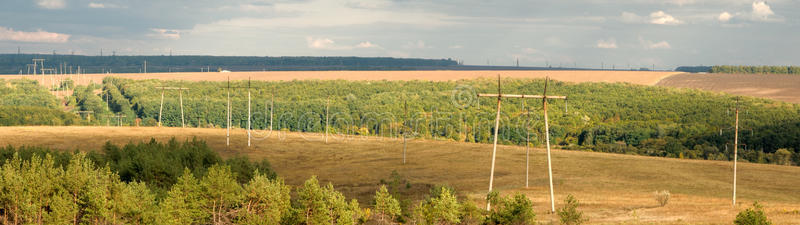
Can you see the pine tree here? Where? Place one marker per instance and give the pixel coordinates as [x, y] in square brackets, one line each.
[266, 201]
[386, 205]
[185, 202]
[222, 192]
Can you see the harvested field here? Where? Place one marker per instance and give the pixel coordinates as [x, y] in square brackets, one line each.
[634, 77]
[781, 87]
[613, 188]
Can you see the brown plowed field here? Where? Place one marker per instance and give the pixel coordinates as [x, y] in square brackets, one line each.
[781, 87]
[634, 77]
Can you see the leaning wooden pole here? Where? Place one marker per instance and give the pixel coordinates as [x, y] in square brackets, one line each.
[161, 108]
[547, 140]
[735, 150]
[180, 97]
[494, 147]
[327, 120]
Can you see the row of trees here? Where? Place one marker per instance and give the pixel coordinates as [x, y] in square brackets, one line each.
[42, 187]
[604, 117]
[25, 102]
[756, 69]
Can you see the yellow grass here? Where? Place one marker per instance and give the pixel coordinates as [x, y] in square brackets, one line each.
[613, 188]
[634, 77]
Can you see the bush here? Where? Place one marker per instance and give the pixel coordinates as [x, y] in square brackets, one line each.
[517, 210]
[570, 214]
[752, 216]
[662, 197]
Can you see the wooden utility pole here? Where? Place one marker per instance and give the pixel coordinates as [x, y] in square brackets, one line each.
[544, 98]
[228, 135]
[404, 129]
[180, 97]
[735, 150]
[119, 118]
[249, 112]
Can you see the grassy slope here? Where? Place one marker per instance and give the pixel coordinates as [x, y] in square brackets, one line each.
[611, 186]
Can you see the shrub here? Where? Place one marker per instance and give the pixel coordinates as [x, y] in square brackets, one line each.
[507, 210]
[570, 214]
[752, 216]
[662, 197]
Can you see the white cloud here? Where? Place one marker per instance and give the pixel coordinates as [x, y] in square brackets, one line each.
[660, 45]
[97, 5]
[608, 44]
[320, 43]
[724, 17]
[762, 11]
[660, 17]
[416, 45]
[165, 33]
[647, 44]
[51, 4]
[40, 36]
[629, 17]
[367, 44]
[456, 47]
[329, 44]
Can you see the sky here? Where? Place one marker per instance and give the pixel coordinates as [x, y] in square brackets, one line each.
[582, 33]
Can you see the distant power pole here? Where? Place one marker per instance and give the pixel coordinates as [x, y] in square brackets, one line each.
[517, 62]
[19, 50]
[145, 66]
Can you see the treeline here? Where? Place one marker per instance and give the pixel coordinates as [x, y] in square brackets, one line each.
[13, 63]
[694, 69]
[38, 186]
[157, 164]
[25, 102]
[618, 118]
[756, 69]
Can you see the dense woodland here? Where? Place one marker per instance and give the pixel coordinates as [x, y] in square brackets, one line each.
[14, 63]
[618, 118]
[39, 186]
[756, 69]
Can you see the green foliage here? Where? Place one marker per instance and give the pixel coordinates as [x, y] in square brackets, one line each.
[440, 209]
[629, 119]
[386, 206]
[324, 205]
[222, 192]
[756, 69]
[510, 210]
[185, 202]
[569, 214]
[24, 92]
[39, 191]
[752, 216]
[265, 201]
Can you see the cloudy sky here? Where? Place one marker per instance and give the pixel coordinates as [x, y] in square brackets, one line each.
[586, 33]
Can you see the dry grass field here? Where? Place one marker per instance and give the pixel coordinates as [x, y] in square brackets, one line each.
[613, 188]
[781, 87]
[634, 77]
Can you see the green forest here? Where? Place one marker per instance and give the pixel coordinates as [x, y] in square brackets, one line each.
[25, 102]
[618, 118]
[756, 69]
[126, 185]
[14, 63]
